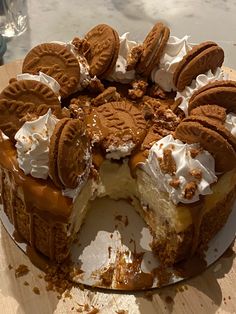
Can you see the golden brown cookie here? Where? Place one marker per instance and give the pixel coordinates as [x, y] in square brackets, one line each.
[117, 124]
[24, 100]
[104, 46]
[210, 111]
[56, 61]
[221, 93]
[69, 153]
[215, 126]
[203, 57]
[210, 139]
[30, 91]
[53, 152]
[153, 47]
[12, 113]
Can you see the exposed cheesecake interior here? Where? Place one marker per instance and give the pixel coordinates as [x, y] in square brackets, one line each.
[175, 229]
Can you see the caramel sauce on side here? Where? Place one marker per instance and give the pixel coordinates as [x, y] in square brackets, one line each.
[40, 198]
[39, 195]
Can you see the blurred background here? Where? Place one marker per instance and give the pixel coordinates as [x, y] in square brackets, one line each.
[63, 19]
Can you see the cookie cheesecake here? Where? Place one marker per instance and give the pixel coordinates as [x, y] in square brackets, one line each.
[123, 134]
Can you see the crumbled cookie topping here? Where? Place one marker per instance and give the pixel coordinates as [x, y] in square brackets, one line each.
[151, 137]
[134, 57]
[79, 106]
[189, 190]
[196, 173]
[139, 88]
[157, 92]
[108, 95]
[195, 151]
[149, 106]
[81, 45]
[167, 162]
[166, 121]
[95, 86]
[175, 183]
[21, 270]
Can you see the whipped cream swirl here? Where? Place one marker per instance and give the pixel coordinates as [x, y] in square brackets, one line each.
[32, 145]
[119, 73]
[200, 170]
[175, 50]
[84, 67]
[200, 81]
[43, 78]
[230, 123]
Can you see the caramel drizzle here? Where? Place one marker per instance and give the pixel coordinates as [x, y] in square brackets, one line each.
[54, 208]
[197, 212]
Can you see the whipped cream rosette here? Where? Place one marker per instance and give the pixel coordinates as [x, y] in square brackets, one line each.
[32, 144]
[119, 73]
[200, 81]
[200, 170]
[43, 78]
[176, 48]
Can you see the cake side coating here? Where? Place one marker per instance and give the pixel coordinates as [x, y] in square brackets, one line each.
[37, 209]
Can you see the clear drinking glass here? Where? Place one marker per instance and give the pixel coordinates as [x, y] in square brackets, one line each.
[13, 17]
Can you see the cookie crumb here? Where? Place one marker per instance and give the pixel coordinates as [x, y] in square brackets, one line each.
[196, 173]
[134, 57]
[10, 267]
[189, 190]
[26, 283]
[108, 95]
[195, 151]
[21, 270]
[175, 183]
[167, 162]
[36, 290]
[95, 86]
[139, 88]
[157, 92]
[81, 45]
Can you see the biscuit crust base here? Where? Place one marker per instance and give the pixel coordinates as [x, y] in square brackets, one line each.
[48, 236]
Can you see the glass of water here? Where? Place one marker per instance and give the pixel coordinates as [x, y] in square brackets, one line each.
[13, 17]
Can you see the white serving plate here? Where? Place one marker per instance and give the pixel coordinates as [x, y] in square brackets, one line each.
[113, 228]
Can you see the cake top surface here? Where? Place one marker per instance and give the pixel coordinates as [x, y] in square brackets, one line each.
[105, 95]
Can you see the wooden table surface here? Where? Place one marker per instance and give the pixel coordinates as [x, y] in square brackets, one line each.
[214, 291]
